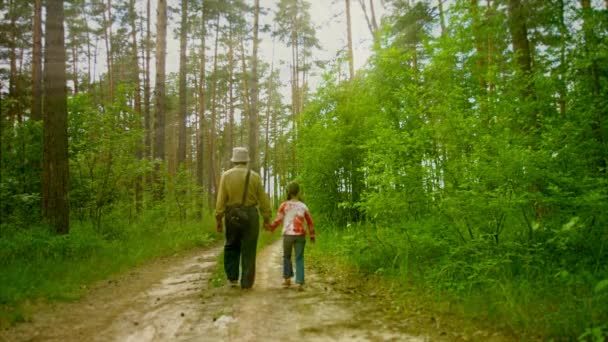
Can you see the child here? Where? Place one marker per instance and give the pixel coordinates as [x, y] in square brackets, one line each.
[292, 214]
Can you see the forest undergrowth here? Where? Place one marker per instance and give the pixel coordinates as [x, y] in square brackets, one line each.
[517, 292]
[36, 264]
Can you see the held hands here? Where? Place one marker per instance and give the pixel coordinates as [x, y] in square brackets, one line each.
[267, 227]
[218, 225]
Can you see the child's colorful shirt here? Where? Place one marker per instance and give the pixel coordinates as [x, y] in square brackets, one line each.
[293, 214]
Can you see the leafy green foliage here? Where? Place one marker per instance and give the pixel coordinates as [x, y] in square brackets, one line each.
[20, 175]
[467, 175]
[102, 149]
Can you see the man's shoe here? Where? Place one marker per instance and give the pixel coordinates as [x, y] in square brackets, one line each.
[286, 282]
[234, 283]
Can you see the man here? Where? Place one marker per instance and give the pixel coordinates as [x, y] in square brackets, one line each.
[241, 238]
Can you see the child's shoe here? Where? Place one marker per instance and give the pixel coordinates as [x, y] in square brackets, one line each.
[300, 287]
[286, 282]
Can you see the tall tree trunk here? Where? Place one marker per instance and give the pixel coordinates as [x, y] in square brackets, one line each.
[521, 44]
[246, 95]
[107, 30]
[490, 47]
[441, 17]
[75, 68]
[521, 48]
[36, 105]
[135, 61]
[13, 109]
[230, 134]
[55, 204]
[563, 31]
[159, 91]
[373, 15]
[590, 46]
[147, 116]
[519, 32]
[201, 119]
[351, 66]
[278, 161]
[295, 84]
[253, 114]
[1, 132]
[87, 31]
[268, 113]
[18, 86]
[367, 19]
[181, 144]
[211, 139]
[139, 154]
[597, 124]
[480, 59]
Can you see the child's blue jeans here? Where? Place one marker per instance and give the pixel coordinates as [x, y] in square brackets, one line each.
[297, 243]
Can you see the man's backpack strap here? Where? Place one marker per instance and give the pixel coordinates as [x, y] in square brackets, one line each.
[246, 187]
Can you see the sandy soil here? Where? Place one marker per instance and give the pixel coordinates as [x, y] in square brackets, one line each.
[172, 300]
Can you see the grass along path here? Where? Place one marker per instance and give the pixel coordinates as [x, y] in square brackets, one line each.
[173, 298]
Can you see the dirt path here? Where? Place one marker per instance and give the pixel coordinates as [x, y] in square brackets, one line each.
[172, 300]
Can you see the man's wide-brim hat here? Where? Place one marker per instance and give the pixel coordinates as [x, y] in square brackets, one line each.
[240, 155]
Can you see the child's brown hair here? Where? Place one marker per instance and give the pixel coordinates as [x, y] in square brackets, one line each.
[293, 189]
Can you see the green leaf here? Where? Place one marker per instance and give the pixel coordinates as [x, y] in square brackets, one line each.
[601, 286]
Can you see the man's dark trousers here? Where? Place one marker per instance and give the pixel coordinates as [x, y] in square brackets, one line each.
[241, 245]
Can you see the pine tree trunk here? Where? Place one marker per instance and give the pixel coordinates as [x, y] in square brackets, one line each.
[246, 98]
[253, 114]
[13, 109]
[597, 124]
[88, 39]
[563, 31]
[75, 68]
[108, 40]
[480, 59]
[136, 70]
[36, 105]
[351, 66]
[147, 117]
[521, 48]
[230, 133]
[590, 46]
[159, 92]
[212, 134]
[295, 86]
[268, 111]
[519, 32]
[181, 145]
[441, 17]
[373, 14]
[367, 19]
[201, 123]
[137, 103]
[490, 48]
[55, 202]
